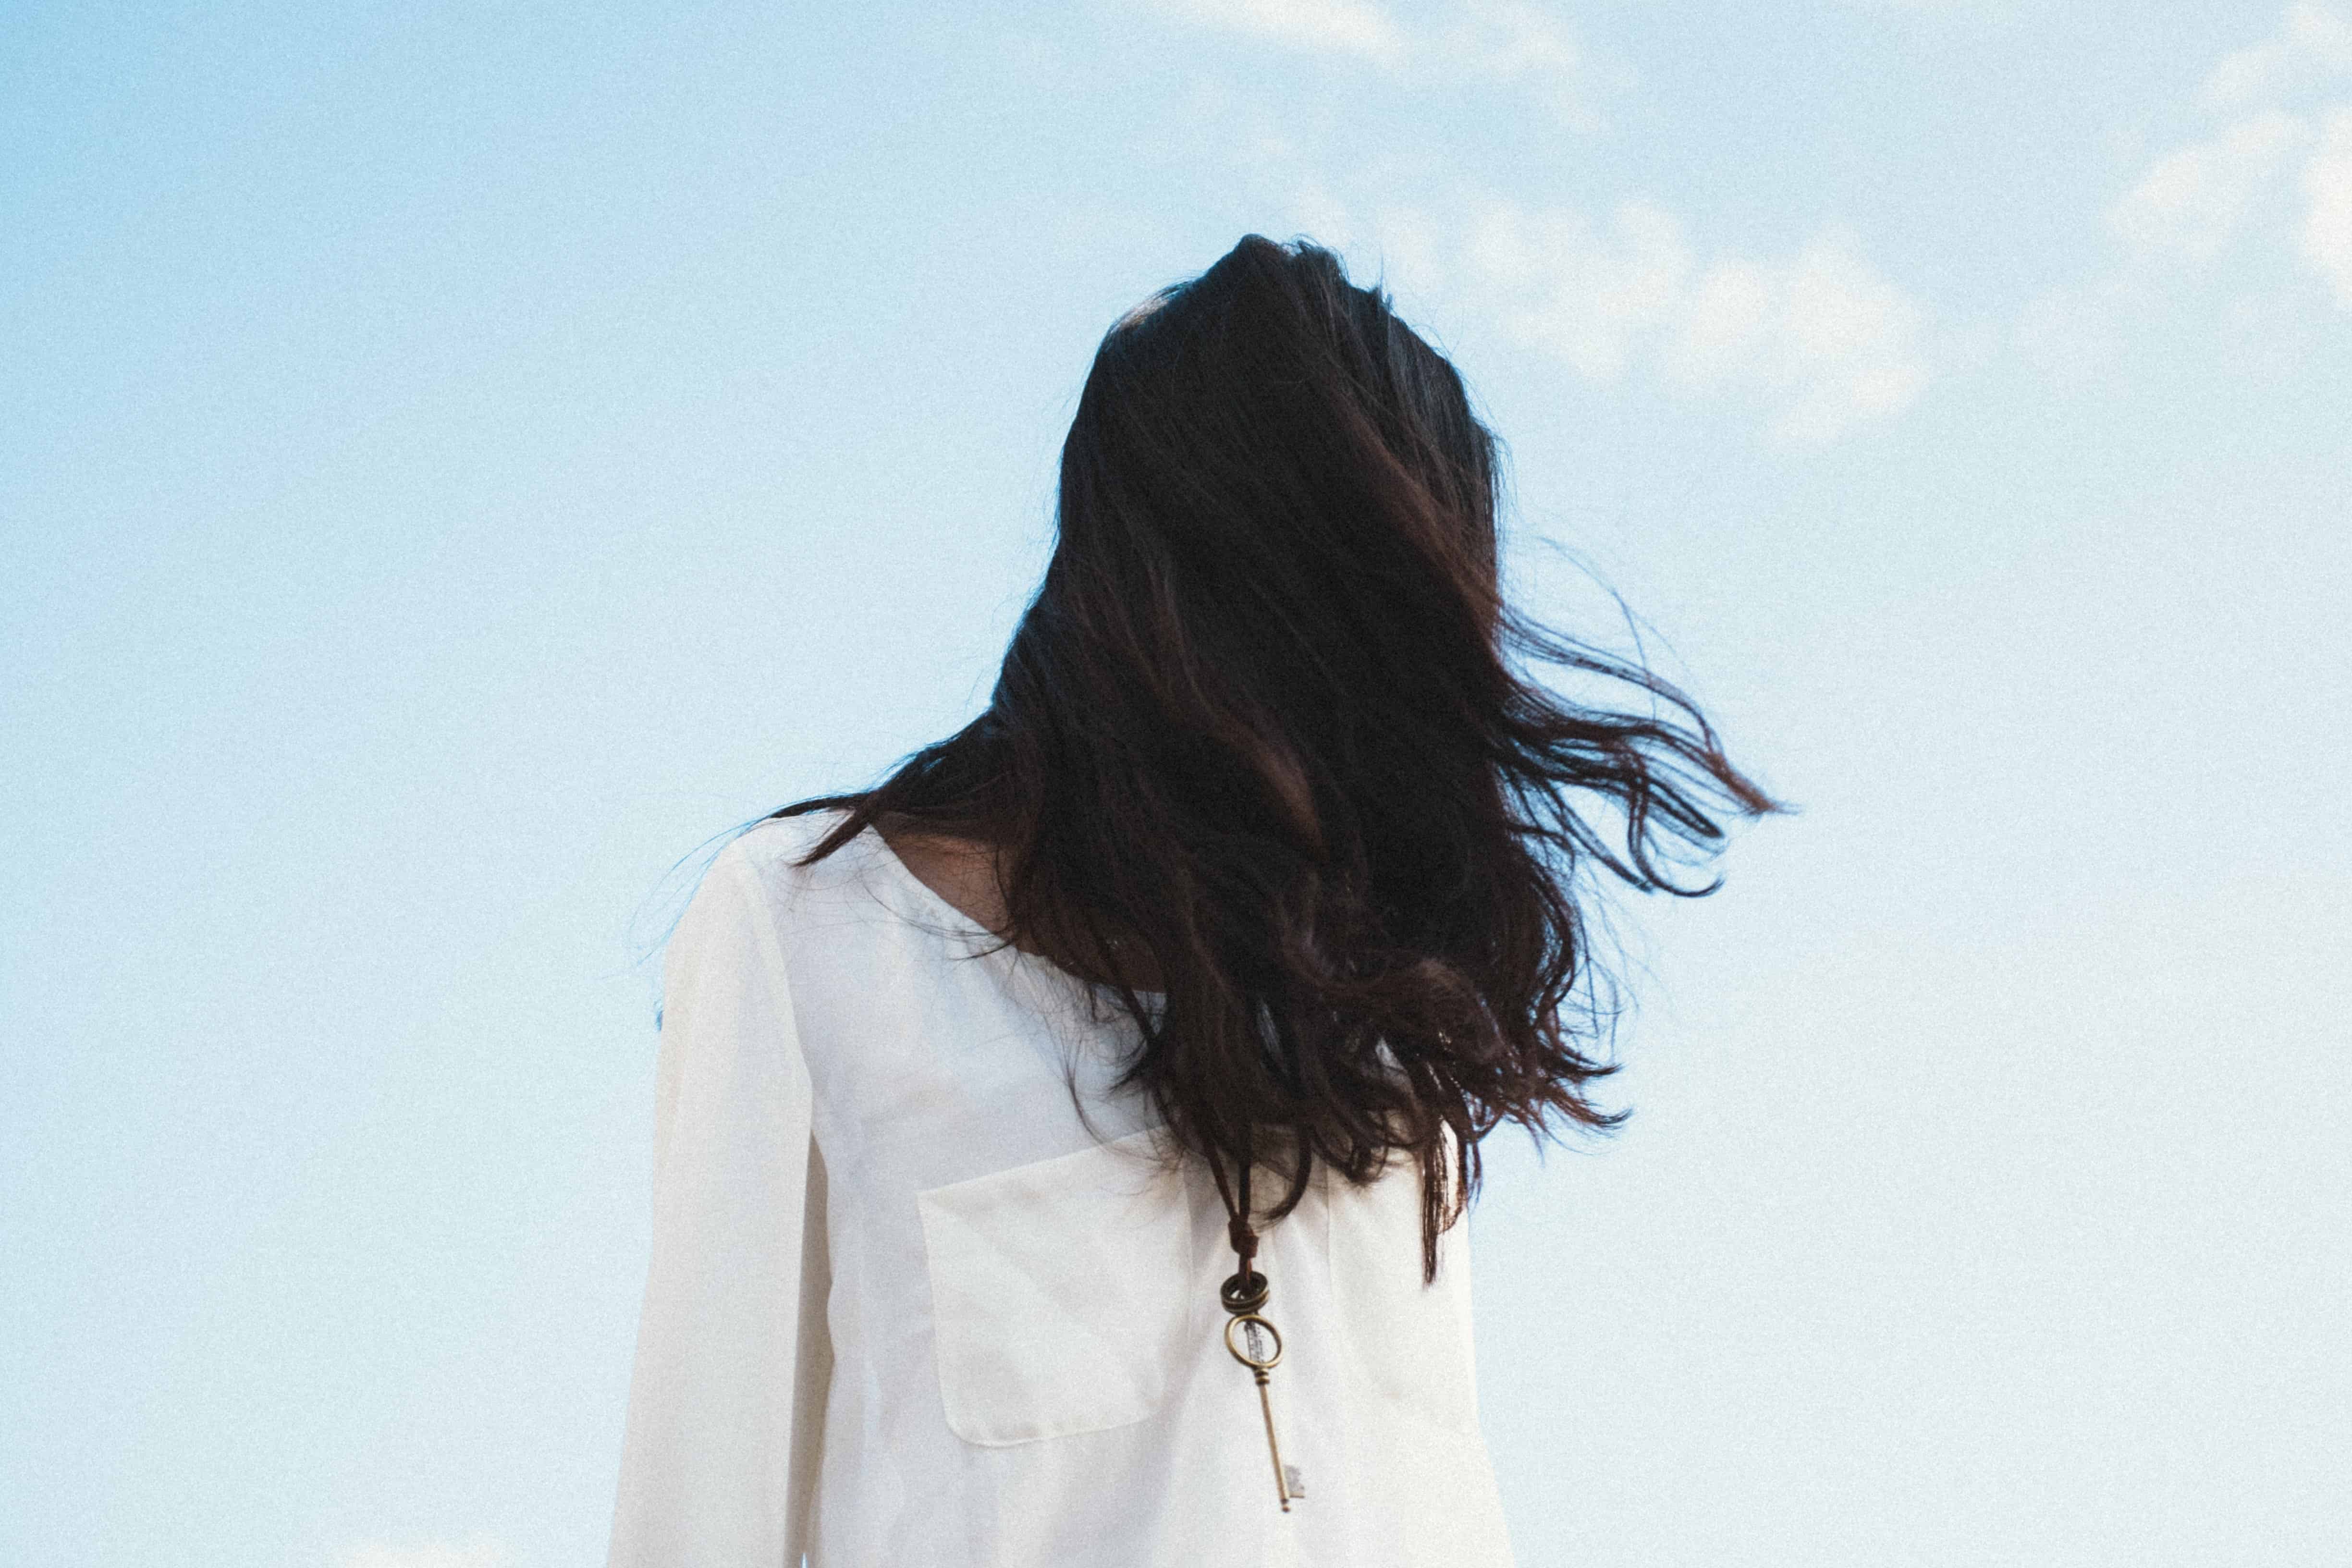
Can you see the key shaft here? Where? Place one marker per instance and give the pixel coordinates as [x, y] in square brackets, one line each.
[1272, 1447]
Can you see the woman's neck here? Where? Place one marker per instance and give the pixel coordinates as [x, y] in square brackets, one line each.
[964, 874]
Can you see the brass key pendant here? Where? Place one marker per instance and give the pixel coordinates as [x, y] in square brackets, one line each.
[1259, 1350]
[1249, 1338]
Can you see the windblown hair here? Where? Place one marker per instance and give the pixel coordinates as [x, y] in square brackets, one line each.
[1269, 722]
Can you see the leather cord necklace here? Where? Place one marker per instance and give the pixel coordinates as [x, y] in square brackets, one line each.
[1259, 1343]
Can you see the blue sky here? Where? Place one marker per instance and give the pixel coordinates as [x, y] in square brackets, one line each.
[462, 459]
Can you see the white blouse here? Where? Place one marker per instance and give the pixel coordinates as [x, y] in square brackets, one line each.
[908, 1310]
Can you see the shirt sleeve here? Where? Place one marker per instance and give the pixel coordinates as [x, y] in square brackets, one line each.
[727, 1399]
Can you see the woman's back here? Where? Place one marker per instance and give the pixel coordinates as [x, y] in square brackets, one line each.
[1005, 1341]
[942, 1270]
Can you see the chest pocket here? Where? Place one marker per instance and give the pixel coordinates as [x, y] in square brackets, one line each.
[1058, 1293]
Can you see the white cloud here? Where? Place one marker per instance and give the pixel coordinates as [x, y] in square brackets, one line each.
[2328, 218]
[1845, 347]
[1339, 27]
[2313, 41]
[1727, 318]
[1585, 292]
[1822, 341]
[1823, 336]
[1509, 41]
[2275, 179]
[1984, 9]
[2194, 198]
[474, 1554]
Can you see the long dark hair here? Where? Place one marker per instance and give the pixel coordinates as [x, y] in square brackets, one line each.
[1269, 721]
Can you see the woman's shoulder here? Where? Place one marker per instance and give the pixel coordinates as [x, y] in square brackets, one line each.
[754, 893]
[770, 852]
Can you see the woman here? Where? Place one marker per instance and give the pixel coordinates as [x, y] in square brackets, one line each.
[1061, 1147]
